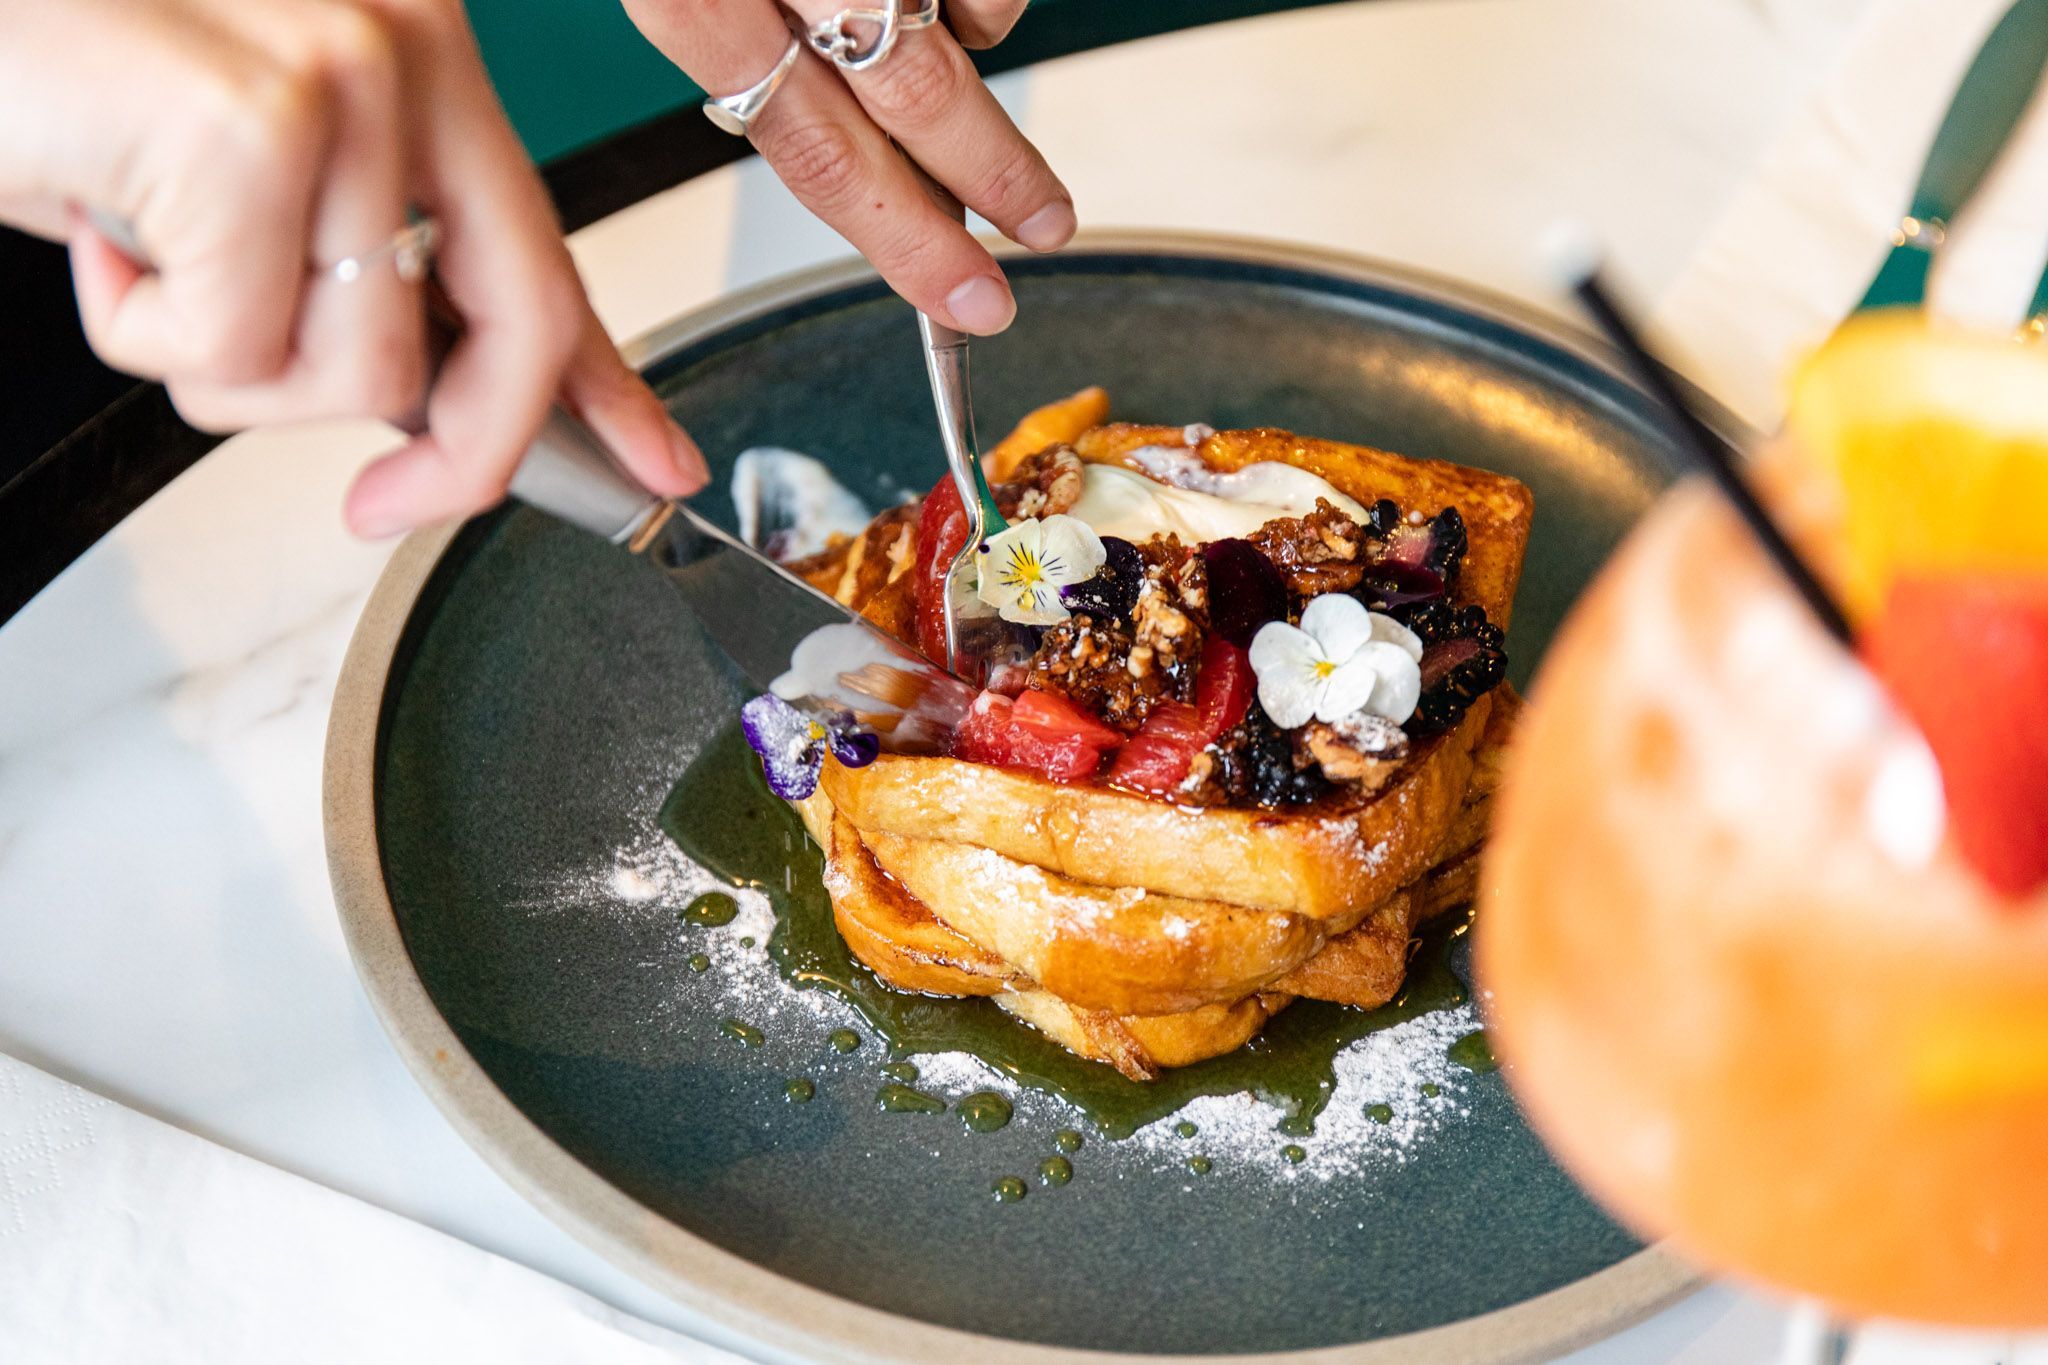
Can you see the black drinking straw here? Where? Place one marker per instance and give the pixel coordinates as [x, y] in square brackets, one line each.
[1706, 449]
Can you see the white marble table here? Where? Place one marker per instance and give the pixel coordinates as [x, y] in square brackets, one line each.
[166, 932]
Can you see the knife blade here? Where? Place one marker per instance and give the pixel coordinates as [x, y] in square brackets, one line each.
[781, 633]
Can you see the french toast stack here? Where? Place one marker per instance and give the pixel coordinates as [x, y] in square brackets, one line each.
[1131, 929]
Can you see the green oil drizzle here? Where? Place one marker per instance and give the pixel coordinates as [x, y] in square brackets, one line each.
[843, 1039]
[1430, 1090]
[699, 962]
[1295, 1155]
[984, 1111]
[1055, 1170]
[1185, 1129]
[1380, 1113]
[746, 942]
[722, 815]
[1201, 1165]
[1473, 1052]
[896, 1098]
[745, 1032]
[905, 1072]
[1067, 1140]
[1008, 1190]
[711, 909]
[800, 1091]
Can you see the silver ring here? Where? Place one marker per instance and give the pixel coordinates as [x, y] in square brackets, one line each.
[735, 114]
[410, 251]
[1922, 234]
[839, 41]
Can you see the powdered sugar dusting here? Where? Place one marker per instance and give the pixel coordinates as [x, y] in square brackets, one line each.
[1395, 1088]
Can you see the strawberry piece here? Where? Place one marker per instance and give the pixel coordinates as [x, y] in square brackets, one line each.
[1967, 658]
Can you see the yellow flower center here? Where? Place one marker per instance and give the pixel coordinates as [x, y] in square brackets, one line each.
[1324, 668]
[1024, 570]
[817, 731]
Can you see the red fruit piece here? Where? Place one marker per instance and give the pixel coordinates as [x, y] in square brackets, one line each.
[1034, 732]
[1158, 757]
[1967, 659]
[1050, 716]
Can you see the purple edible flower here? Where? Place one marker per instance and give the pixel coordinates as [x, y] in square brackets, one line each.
[792, 743]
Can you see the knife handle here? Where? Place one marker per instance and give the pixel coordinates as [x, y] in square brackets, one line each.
[571, 475]
[1989, 101]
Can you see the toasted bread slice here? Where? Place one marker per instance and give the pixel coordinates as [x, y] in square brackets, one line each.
[1125, 951]
[908, 948]
[1132, 952]
[1332, 860]
[905, 945]
[1143, 1046]
[888, 928]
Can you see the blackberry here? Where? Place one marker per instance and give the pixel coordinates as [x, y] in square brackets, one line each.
[1113, 591]
[1438, 621]
[1464, 656]
[1447, 544]
[1382, 517]
[1255, 762]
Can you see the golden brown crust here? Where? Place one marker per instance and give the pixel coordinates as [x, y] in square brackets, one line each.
[1325, 861]
[1124, 951]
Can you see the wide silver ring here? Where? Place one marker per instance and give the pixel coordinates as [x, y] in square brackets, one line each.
[858, 38]
[410, 251]
[735, 114]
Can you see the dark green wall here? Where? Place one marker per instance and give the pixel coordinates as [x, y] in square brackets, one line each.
[572, 71]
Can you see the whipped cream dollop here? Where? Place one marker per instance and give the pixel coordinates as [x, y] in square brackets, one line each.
[1177, 493]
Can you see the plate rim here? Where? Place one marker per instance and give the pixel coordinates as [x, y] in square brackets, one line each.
[754, 1310]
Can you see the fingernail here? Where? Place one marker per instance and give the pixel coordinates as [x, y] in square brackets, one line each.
[1049, 229]
[688, 459]
[982, 305]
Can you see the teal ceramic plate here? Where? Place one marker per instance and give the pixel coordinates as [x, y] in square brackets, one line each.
[520, 701]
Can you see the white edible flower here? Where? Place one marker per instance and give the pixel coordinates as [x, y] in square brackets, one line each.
[1341, 659]
[1021, 570]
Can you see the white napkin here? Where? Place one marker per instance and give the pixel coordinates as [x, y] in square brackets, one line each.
[125, 1239]
[1801, 240]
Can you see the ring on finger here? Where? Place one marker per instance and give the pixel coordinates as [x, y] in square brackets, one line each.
[841, 40]
[735, 114]
[410, 251]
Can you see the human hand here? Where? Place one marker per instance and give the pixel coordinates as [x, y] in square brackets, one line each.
[828, 134]
[252, 145]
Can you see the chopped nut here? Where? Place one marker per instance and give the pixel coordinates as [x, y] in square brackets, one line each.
[1362, 749]
[1317, 553]
[1140, 660]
